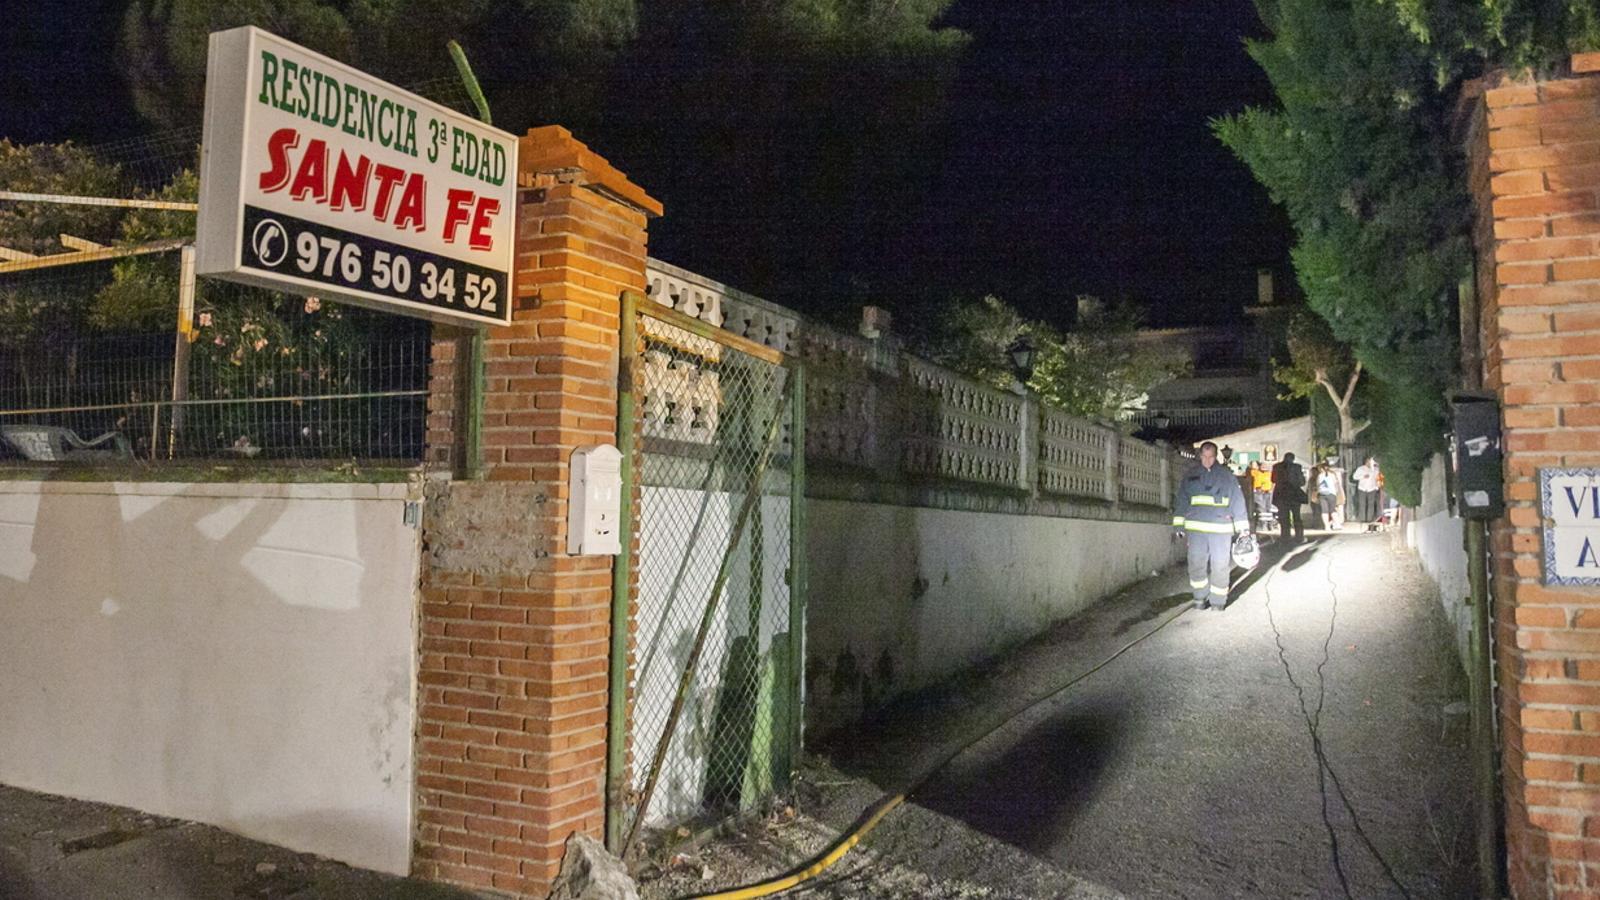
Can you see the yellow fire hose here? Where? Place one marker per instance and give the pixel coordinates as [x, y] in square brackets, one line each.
[887, 804]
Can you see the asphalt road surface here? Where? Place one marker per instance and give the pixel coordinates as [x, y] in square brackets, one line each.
[1308, 741]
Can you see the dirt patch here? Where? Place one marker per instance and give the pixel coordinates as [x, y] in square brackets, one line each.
[913, 853]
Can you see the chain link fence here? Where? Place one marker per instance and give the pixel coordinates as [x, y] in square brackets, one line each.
[715, 680]
[258, 378]
[97, 364]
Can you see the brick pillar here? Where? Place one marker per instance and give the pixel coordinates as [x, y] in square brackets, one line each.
[511, 740]
[1535, 154]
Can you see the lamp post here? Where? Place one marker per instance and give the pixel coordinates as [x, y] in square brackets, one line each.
[1154, 428]
[1022, 352]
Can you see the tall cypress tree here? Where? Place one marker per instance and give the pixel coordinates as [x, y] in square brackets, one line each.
[1360, 154]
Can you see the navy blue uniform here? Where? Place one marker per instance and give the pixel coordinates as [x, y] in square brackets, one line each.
[1210, 508]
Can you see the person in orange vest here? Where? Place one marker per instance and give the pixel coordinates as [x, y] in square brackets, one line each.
[1261, 490]
[1208, 511]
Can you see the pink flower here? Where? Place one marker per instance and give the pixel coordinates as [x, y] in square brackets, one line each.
[313, 304]
[205, 320]
[260, 342]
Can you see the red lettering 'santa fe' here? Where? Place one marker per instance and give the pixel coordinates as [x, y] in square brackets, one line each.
[455, 214]
[389, 193]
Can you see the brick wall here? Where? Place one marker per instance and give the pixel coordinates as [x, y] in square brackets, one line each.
[512, 713]
[1535, 164]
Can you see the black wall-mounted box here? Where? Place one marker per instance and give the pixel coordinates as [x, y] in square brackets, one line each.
[1477, 456]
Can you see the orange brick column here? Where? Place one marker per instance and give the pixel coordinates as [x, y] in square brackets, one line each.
[511, 740]
[1535, 157]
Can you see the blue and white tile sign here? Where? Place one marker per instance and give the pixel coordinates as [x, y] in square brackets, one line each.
[1571, 507]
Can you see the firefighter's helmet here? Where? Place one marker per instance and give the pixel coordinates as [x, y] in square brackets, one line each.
[1246, 552]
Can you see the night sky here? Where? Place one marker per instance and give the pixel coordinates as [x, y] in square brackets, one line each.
[1079, 159]
[1089, 141]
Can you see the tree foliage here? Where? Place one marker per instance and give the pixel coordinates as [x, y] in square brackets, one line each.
[1534, 34]
[143, 291]
[1360, 154]
[538, 57]
[1096, 371]
[249, 341]
[789, 138]
[1322, 367]
[53, 169]
[39, 322]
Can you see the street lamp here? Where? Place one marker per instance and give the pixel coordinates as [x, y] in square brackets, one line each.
[1021, 352]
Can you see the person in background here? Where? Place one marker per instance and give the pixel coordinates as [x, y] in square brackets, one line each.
[1369, 482]
[1288, 492]
[1340, 509]
[1326, 480]
[1261, 490]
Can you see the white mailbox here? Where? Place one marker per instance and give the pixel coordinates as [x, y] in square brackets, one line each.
[594, 515]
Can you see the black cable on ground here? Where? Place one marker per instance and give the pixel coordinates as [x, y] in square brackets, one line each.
[1338, 786]
[1312, 724]
[887, 803]
[1325, 770]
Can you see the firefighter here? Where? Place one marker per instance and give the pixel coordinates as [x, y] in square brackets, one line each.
[1209, 511]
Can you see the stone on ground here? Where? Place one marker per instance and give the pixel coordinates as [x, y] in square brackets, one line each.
[588, 872]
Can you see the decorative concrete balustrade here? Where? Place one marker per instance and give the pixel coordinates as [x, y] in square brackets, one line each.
[958, 429]
[1073, 456]
[878, 414]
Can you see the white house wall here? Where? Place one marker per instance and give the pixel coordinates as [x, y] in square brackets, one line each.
[238, 654]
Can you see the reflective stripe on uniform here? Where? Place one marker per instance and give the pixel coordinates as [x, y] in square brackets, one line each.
[1177, 521]
[1197, 585]
[1208, 500]
[1220, 591]
[1208, 527]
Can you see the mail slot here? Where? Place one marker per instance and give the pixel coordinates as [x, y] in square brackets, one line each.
[1477, 456]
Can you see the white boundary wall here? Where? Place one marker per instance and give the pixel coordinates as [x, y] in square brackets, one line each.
[1440, 544]
[901, 597]
[238, 654]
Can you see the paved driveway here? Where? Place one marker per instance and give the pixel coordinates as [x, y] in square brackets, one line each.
[1309, 741]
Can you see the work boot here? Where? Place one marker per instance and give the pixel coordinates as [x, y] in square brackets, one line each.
[1199, 603]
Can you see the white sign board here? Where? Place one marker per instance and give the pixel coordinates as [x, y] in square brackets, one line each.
[1571, 508]
[318, 179]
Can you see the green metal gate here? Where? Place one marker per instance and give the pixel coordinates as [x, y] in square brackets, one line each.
[711, 427]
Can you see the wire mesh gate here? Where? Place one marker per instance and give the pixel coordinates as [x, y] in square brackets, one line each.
[715, 426]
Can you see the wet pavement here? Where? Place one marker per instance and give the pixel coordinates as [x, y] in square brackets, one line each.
[1308, 741]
